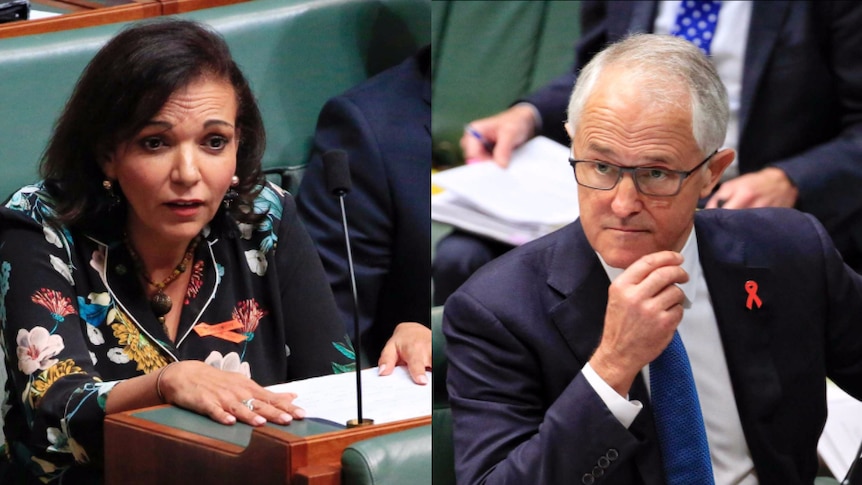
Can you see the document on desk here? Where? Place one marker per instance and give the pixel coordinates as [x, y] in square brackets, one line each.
[535, 195]
[384, 399]
[842, 434]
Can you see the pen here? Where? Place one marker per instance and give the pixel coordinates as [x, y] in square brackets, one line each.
[489, 147]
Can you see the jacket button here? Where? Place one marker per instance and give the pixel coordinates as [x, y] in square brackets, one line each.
[597, 472]
[588, 479]
[612, 454]
[604, 462]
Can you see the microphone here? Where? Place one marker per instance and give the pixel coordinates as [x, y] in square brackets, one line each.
[338, 183]
[337, 172]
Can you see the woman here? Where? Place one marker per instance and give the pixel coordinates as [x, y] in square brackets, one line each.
[154, 264]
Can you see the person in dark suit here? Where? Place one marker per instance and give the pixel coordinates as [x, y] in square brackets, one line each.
[798, 116]
[548, 344]
[384, 124]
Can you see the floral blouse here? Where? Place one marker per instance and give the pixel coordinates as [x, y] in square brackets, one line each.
[76, 321]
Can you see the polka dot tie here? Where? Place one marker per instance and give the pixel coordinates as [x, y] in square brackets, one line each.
[695, 22]
[678, 419]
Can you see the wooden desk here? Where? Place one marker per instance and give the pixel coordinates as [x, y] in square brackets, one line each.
[90, 13]
[168, 445]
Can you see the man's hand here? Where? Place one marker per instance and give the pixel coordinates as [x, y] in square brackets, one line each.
[410, 344]
[505, 131]
[644, 309]
[768, 187]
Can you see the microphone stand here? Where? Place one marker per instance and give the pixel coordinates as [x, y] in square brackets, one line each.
[338, 183]
[357, 344]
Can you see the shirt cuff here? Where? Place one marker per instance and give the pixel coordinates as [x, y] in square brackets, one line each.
[624, 410]
[537, 117]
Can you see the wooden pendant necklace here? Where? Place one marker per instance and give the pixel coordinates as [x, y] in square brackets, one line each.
[160, 303]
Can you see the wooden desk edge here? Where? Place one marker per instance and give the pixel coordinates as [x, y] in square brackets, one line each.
[274, 455]
[140, 10]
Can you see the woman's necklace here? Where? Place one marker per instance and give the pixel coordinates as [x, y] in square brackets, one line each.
[160, 303]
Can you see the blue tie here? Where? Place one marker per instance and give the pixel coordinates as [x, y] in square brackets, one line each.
[678, 421]
[695, 22]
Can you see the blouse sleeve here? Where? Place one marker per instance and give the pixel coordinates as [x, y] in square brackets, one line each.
[314, 330]
[57, 399]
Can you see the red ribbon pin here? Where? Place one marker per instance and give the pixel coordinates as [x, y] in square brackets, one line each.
[753, 299]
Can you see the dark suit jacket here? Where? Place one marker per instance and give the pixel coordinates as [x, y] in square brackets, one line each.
[801, 107]
[519, 332]
[384, 124]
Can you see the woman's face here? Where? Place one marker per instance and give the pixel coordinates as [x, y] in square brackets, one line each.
[175, 172]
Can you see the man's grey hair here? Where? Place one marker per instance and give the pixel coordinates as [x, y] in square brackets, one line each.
[664, 65]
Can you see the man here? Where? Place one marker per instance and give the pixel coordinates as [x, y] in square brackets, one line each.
[796, 113]
[548, 345]
[384, 124]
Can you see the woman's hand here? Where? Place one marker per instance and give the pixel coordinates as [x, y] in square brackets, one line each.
[410, 344]
[225, 396]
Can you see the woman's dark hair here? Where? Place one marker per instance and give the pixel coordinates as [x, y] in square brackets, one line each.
[125, 86]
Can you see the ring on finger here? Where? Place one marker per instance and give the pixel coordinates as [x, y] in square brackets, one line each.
[249, 403]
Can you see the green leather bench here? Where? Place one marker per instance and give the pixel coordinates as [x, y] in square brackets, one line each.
[394, 459]
[296, 54]
[487, 54]
[441, 418]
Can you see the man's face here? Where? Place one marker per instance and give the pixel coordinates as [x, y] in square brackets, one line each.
[621, 125]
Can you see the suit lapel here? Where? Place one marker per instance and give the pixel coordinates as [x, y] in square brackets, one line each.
[576, 274]
[745, 332]
[766, 21]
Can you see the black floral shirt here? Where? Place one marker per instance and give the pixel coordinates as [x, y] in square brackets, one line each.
[76, 321]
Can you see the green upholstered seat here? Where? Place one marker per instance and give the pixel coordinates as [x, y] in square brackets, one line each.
[393, 459]
[444, 458]
[489, 54]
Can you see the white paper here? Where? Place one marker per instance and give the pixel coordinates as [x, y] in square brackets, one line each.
[384, 399]
[41, 14]
[535, 195]
[842, 434]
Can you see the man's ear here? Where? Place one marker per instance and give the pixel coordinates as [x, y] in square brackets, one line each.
[570, 131]
[716, 166]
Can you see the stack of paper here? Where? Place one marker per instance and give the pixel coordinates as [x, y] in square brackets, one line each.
[535, 195]
[842, 434]
[384, 399]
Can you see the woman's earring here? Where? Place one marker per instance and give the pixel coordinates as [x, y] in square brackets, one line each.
[113, 199]
[231, 194]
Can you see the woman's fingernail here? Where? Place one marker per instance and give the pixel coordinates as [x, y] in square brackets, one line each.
[300, 413]
[258, 420]
[286, 418]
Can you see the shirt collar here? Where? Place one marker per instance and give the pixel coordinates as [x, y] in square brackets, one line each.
[691, 265]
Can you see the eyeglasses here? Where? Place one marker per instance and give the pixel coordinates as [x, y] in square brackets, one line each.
[659, 182]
